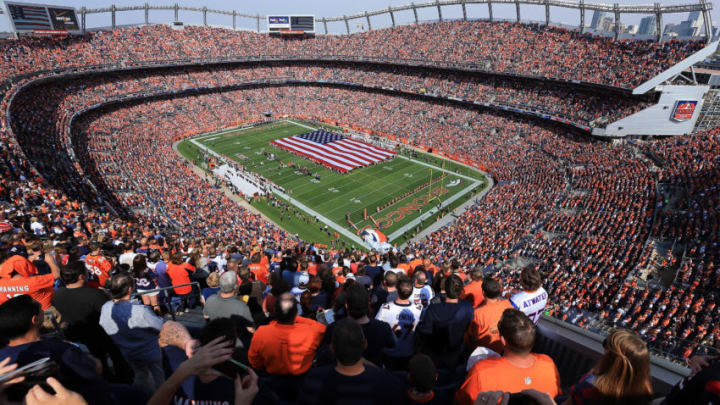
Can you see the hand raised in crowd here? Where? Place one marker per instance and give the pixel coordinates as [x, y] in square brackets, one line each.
[205, 357]
[246, 388]
[38, 396]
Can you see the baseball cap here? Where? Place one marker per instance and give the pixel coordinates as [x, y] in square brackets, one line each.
[304, 279]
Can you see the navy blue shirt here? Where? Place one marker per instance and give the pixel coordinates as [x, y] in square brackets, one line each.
[325, 386]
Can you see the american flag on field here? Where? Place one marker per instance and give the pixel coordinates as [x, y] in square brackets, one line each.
[334, 150]
[29, 17]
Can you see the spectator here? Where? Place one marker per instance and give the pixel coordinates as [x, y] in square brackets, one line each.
[483, 330]
[287, 345]
[422, 377]
[622, 375]
[226, 303]
[378, 335]
[422, 292]
[517, 369]
[701, 386]
[19, 276]
[20, 320]
[387, 292]
[351, 380]
[179, 274]
[473, 290]
[98, 266]
[533, 298]
[213, 287]
[134, 329]
[443, 325]
[402, 316]
[145, 282]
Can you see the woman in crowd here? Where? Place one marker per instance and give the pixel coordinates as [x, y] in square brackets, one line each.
[621, 376]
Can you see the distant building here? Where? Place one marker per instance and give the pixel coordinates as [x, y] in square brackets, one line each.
[648, 26]
[691, 27]
[597, 16]
[631, 29]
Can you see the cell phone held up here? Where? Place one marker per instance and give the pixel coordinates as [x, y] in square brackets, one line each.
[35, 373]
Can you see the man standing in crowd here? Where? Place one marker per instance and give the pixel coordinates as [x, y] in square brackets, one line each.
[135, 329]
[533, 298]
[286, 346]
[19, 276]
[473, 290]
[226, 304]
[483, 330]
[351, 380]
[378, 334]
[422, 292]
[517, 369]
[98, 266]
[441, 330]
[402, 316]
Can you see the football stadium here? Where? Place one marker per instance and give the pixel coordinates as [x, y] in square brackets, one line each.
[444, 202]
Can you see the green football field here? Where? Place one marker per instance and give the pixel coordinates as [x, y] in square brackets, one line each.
[407, 189]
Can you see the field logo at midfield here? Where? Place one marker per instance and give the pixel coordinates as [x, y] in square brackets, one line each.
[684, 110]
[397, 215]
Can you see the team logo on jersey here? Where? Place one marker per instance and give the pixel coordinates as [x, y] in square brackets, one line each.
[528, 380]
[684, 110]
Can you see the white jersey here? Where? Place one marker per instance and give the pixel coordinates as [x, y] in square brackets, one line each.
[127, 258]
[422, 296]
[402, 318]
[531, 303]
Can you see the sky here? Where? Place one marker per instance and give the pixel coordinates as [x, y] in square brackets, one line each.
[333, 8]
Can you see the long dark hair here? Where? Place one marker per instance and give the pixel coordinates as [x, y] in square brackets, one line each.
[139, 265]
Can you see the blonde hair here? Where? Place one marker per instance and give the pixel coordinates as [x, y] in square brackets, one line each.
[213, 280]
[623, 372]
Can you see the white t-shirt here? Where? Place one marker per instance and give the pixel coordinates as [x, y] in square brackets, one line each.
[532, 303]
[221, 263]
[422, 296]
[37, 228]
[127, 258]
[402, 318]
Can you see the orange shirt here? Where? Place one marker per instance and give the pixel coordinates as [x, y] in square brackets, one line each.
[312, 269]
[40, 288]
[498, 374]
[473, 293]
[99, 268]
[286, 349]
[405, 267]
[483, 329]
[17, 264]
[260, 272]
[178, 274]
[414, 263]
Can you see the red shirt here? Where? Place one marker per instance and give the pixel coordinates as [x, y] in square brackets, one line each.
[286, 349]
[260, 272]
[99, 268]
[178, 274]
[498, 374]
[473, 293]
[40, 288]
[17, 264]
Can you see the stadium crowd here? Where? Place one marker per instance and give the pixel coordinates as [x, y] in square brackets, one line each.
[520, 49]
[96, 211]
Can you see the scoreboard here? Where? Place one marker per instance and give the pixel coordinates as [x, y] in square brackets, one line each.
[26, 17]
[291, 24]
